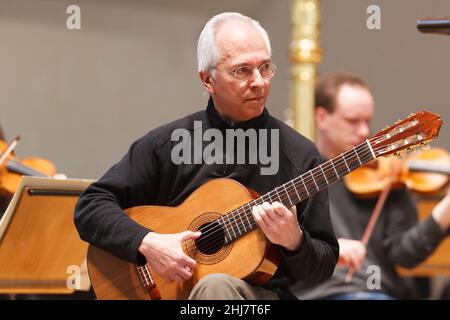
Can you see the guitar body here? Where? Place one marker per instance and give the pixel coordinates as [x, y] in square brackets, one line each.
[248, 257]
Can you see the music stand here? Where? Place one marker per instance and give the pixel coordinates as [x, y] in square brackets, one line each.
[40, 250]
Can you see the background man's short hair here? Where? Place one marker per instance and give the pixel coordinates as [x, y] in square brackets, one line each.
[328, 88]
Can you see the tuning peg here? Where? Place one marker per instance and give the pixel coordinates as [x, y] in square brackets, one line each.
[397, 154]
[425, 146]
[410, 150]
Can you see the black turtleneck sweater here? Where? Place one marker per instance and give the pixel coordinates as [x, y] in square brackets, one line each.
[147, 176]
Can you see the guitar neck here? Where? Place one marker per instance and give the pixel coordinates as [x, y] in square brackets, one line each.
[240, 221]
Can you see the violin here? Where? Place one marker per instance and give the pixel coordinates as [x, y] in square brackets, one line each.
[427, 173]
[13, 168]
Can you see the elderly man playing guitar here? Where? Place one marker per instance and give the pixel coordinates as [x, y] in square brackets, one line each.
[235, 68]
[161, 228]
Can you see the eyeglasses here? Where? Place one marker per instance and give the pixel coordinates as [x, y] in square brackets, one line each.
[266, 70]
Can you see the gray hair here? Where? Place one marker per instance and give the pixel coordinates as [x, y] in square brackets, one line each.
[207, 52]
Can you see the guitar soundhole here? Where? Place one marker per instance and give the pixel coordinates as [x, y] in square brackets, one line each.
[212, 238]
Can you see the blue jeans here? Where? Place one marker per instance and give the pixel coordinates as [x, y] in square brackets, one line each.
[360, 295]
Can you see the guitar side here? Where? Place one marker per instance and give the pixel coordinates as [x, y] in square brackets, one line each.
[249, 257]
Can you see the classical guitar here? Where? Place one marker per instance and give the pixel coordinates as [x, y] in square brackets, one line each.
[231, 242]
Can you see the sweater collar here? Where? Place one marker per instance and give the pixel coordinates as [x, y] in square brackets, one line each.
[217, 121]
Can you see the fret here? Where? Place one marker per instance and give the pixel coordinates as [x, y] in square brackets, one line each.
[354, 149]
[314, 180]
[370, 148]
[332, 164]
[345, 162]
[232, 228]
[324, 174]
[226, 228]
[301, 178]
[252, 220]
[242, 221]
[298, 196]
[287, 193]
[246, 216]
[270, 198]
[278, 195]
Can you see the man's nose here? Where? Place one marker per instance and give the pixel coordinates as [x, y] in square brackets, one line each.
[364, 130]
[256, 80]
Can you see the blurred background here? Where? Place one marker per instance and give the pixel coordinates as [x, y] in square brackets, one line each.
[80, 97]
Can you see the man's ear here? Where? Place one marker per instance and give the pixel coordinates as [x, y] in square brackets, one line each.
[321, 114]
[206, 78]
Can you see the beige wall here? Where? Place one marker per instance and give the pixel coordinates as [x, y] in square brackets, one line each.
[79, 98]
[407, 70]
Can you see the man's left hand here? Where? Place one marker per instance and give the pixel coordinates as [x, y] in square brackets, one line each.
[279, 224]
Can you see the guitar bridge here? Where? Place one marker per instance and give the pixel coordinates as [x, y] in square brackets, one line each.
[148, 282]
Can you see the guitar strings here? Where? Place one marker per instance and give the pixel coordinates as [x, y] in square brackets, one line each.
[233, 215]
[214, 233]
[215, 237]
[329, 167]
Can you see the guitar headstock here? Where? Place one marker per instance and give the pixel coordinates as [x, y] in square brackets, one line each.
[414, 131]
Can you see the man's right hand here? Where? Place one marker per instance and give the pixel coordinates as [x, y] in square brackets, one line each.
[351, 253]
[165, 255]
[441, 212]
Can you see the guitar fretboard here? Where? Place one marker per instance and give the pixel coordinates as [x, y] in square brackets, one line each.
[240, 221]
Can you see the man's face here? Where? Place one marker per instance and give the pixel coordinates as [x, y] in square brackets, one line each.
[349, 124]
[240, 45]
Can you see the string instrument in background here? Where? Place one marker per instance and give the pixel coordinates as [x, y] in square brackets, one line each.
[230, 241]
[14, 168]
[427, 172]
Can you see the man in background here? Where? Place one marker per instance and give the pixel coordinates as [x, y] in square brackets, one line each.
[344, 109]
